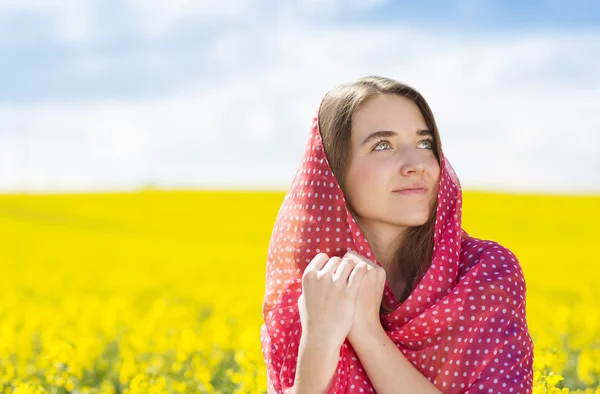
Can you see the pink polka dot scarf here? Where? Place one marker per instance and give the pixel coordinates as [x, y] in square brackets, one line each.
[463, 326]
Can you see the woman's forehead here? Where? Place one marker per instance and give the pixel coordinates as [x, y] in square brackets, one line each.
[391, 123]
[388, 112]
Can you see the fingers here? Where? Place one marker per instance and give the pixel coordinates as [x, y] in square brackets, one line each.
[341, 268]
[358, 257]
[344, 269]
[332, 265]
[317, 263]
[356, 277]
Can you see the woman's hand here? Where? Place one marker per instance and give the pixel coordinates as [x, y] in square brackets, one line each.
[368, 301]
[327, 303]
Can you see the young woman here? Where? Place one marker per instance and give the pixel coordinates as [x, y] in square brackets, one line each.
[372, 285]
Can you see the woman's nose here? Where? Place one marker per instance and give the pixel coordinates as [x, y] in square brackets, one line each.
[411, 161]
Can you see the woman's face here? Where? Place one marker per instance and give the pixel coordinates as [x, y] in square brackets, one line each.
[390, 150]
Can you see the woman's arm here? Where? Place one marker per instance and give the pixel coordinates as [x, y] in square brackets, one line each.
[317, 362]
[314, 369]
[386, 366]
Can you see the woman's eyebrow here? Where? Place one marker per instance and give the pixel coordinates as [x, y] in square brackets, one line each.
[390, 133]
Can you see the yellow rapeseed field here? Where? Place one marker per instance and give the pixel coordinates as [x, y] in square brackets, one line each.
[160, 291]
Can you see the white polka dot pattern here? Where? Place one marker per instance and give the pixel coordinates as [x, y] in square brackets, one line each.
[463, 327]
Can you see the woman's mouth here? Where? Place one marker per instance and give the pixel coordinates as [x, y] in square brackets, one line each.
[410, 191]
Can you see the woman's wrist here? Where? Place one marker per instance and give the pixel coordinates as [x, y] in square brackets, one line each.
[318, 341]
[318, 358]
[364, 331]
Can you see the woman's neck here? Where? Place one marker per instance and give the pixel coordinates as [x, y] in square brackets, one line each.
[384, 240]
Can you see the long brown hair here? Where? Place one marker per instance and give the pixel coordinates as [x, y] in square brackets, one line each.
[413, 255]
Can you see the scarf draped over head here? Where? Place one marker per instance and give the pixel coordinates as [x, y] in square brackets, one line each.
[463, 326]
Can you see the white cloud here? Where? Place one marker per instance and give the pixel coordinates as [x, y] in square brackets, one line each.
[330, 7]
[84, 21]
[157, 18]
[71, 20]
[515, 111]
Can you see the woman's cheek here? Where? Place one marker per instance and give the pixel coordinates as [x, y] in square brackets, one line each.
[362, 183]
[369, 172]
[374, 179]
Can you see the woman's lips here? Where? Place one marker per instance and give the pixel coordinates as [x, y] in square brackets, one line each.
[411, 191]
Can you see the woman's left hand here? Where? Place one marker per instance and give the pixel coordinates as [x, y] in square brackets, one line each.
[368, 302]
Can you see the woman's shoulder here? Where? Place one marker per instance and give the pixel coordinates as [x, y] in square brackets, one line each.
[492, 280]
[488, 258]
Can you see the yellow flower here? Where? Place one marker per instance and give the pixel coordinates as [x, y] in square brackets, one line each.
[143, 293]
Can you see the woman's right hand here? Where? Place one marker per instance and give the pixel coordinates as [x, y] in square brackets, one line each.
[329, 290]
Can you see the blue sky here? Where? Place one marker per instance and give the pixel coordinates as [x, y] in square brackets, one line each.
[114, 95]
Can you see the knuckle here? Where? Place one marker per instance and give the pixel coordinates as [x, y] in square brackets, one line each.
[309, 276]
[322, 254]
[334, 259]
[346, 262]
[329, 278]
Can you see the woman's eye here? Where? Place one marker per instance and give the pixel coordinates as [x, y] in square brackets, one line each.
[386, 142]
[382, 142]
[430, 143]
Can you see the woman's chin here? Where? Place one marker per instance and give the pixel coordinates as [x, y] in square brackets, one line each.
[410, 220]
